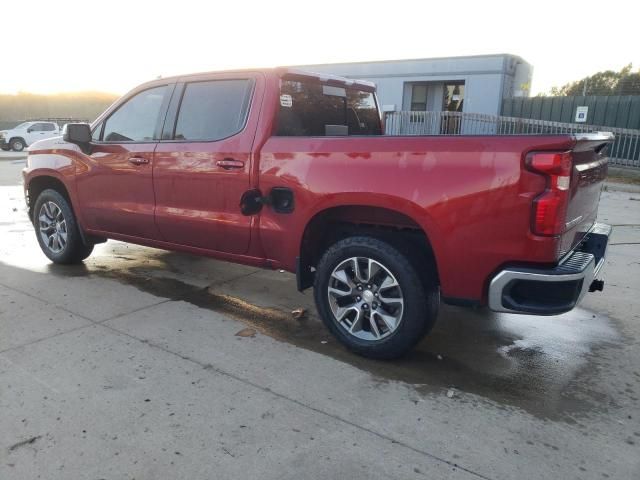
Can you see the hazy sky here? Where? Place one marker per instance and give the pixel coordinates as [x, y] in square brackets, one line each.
[113, 45]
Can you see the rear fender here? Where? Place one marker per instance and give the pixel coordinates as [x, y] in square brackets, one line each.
[361, 209]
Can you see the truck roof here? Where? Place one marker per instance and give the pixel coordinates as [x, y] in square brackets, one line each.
[325, 77]
[288, 72]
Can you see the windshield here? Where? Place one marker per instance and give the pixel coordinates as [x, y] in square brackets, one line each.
[22, 125]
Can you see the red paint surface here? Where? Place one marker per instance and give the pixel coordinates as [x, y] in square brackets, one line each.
[471, 195]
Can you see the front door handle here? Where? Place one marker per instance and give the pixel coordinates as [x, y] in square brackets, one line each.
[230, 163]
[138, 160]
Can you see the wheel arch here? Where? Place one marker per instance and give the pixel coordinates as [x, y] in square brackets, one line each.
[39, 184]
[17, 137]
[336, 222]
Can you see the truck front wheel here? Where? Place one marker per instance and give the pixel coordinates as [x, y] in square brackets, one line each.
[372, 297]
[17, 144]
[57, 229]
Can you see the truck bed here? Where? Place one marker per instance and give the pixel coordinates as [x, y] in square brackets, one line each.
[472, 194]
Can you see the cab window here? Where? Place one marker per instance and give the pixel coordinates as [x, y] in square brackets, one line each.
[96, 134]
[136, 119]
[312, 108]
[213, 110]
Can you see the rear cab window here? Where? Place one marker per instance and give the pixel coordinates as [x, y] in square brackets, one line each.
[309, 107]
[213, 110]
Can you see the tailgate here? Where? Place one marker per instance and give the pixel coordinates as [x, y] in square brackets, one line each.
[589, 171]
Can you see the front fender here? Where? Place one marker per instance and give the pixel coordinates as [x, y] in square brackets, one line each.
[52, 168]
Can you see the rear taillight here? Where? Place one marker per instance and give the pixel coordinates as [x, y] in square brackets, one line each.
[550, 207]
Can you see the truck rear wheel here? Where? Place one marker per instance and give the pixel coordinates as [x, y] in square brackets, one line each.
[372, 297]
[57, 229]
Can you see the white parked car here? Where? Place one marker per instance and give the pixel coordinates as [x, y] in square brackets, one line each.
[20, 137]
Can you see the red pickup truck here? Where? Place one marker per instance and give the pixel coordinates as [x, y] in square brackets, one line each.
[291, 170]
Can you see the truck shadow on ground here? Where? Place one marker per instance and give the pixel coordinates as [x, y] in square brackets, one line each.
[547, 366]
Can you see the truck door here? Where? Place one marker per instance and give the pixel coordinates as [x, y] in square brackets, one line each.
[36, 132]
[50, 130]
[202, 166]
[115, 186]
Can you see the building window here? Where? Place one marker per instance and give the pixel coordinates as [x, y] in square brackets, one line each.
[418, 98]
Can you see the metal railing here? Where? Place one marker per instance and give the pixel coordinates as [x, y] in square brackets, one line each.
[624, 151]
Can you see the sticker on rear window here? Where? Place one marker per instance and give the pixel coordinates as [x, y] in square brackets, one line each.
[286, 101]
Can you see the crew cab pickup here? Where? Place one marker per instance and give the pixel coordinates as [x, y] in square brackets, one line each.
[23, 135]
[285, 169]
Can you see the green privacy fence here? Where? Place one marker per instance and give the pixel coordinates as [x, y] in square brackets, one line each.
[621, 111]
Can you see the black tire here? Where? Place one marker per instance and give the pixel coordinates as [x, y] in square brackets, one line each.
[418, 288]
[5, 148]
[17, 144]
[74, 250]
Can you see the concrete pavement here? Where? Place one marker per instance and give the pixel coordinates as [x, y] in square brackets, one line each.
[130, 366]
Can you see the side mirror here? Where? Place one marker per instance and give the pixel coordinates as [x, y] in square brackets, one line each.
[29, 130]
[78, 133]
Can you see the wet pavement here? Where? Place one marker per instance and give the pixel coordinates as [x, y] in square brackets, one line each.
[498, 393]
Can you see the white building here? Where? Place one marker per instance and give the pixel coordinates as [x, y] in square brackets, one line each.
[475, 84]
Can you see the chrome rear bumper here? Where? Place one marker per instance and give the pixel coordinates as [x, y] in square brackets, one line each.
[552, 290]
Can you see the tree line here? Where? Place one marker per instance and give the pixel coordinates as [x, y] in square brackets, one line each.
[82, 106]
[608, 82]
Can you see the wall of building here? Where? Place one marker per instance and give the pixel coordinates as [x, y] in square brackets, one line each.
[518, 78]
[487, 78]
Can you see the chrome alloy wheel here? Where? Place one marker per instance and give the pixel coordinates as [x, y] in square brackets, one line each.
[53, 227]
[365, 298]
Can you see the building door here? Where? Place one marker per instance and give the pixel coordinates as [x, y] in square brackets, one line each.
[452, 101]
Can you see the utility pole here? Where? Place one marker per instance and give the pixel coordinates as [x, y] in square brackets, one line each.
[584, 87]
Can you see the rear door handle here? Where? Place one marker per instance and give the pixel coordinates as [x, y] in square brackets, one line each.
[230, 163]
[138, 160]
